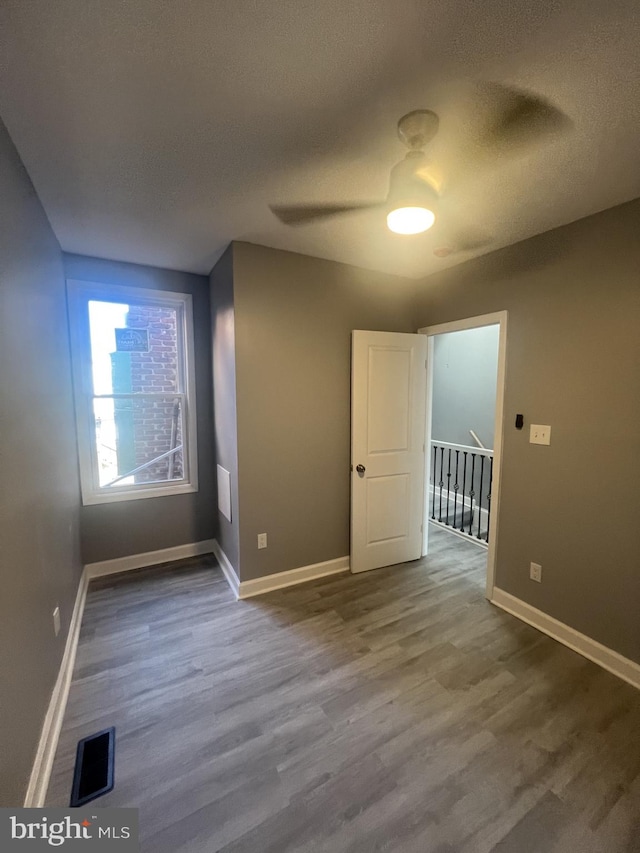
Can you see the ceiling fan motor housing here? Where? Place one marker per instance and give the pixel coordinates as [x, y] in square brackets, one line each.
[407, 188]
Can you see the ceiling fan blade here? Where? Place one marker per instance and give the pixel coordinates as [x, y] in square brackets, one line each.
[488, 125]
[302, 213]
[517, 119]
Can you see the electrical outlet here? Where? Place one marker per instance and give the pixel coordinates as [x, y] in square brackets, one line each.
[540, 434]
[535, 572]
[56, 621]
[262, 540]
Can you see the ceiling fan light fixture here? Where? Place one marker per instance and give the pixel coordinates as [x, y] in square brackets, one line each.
[410, 220]
[411, 201]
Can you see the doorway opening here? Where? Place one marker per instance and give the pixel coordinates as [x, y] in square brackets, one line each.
[464, 429]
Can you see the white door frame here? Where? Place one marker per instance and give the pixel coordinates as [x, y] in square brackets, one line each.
[498, 318]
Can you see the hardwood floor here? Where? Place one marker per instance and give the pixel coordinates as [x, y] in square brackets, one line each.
[391, 711]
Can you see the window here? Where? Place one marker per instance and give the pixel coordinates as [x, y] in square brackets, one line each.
[133, 362]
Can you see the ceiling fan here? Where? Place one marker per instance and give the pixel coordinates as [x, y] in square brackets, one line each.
[511, 122]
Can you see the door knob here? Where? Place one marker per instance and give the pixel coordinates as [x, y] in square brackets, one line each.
[360, 469]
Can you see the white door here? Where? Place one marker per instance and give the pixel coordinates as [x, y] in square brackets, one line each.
[388, 392]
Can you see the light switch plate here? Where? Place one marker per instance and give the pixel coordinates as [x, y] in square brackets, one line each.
[540, 434]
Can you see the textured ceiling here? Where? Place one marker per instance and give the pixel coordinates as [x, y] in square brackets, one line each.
[158, 131]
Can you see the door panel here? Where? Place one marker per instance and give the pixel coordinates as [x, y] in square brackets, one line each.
[388, 508]
[387, 439]
[389, 400]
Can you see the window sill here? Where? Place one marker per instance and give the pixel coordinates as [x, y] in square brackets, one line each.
[94, 498]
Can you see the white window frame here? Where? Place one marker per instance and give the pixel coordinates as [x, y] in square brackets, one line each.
[80, 293]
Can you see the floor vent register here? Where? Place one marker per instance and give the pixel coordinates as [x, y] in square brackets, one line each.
[93, 774]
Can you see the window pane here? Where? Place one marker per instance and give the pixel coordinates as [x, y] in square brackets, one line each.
[134, 386]
[130, 433]
[154, 369]
[106, 441]
[134, 348]
[104, 318]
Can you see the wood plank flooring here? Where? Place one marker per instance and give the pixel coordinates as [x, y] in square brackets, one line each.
[391, 711]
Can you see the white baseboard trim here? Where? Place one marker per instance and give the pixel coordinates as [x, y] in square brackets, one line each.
[460, 534]
[149, 558]
[269, 583]
[624, 668]
[450, 496]
[227, 569]
[48, 743]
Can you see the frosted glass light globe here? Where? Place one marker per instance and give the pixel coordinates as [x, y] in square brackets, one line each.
[410, 220]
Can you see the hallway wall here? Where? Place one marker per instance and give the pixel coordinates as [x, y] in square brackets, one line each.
[40, 498]
[465, 369]
[573, 361]
[293, 321]
[224, 393]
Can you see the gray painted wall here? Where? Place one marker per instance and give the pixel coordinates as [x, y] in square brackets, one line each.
[573, 361]
[293, 321]
[465, 368]
[133, 527]
[224, 396]
[39, 502]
